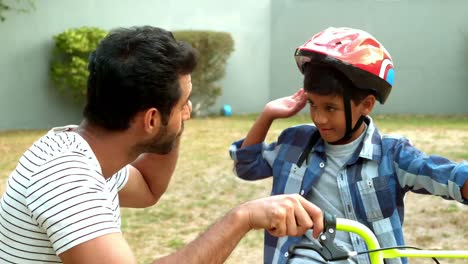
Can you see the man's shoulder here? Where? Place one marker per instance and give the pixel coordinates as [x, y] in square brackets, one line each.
[56, 152]
[61, 141]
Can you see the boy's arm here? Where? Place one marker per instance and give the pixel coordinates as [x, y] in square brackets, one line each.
[432, 174]
[259, 130]
[279, 108]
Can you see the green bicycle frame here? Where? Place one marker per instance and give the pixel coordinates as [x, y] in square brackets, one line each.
[377, 257]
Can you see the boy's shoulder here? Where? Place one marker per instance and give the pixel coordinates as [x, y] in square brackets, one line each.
[373, 131]
[297, 133]
[394, 141]
[394, 137]
[301, 128]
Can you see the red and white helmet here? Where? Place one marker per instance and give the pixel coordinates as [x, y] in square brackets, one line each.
[355, 53]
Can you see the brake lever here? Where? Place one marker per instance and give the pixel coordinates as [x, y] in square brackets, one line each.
[327, 249]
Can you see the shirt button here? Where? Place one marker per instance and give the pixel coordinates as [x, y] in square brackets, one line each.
[286, 254]
[321, 165]
[302, 192]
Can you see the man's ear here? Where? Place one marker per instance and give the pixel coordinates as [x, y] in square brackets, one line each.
[152, 120]
[367, 104]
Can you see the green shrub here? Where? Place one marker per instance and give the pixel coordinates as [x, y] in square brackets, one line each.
[72, 48]
[214, 49]
[69, 71]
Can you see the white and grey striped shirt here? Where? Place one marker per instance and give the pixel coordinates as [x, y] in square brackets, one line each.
[55, 199]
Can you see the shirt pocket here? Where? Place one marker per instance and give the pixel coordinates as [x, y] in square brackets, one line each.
[377, 197]
[287, 179]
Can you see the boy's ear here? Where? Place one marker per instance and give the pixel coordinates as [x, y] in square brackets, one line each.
[367, 104]
[151, 120]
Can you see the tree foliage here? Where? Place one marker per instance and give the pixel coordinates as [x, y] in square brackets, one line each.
[72, 48]
[214, 50]
[69, 70]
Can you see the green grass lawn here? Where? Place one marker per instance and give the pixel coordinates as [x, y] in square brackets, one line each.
[204, 186]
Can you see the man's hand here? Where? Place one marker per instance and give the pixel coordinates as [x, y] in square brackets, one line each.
[286, 106]
[464, 190]
[284, 215]
[281, 215]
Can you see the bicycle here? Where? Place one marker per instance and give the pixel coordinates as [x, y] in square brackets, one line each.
[330, 252]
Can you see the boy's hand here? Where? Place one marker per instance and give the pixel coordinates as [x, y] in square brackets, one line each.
[279, 108]
[286, 106]
[284, 215]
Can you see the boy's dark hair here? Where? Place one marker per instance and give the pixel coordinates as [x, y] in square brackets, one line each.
[323, 79]
[134, 69]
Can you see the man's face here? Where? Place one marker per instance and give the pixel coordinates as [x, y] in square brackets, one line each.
[168, 135]
[328, 114]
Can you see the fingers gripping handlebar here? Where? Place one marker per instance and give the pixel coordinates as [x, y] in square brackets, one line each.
[327, 248]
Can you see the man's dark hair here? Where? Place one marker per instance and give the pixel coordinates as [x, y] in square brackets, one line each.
[134, 69]
[323, 79]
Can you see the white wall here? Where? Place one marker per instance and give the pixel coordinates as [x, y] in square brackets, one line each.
[428, 41]
[27, 98]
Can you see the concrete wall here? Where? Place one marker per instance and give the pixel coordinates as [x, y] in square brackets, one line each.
[27, 98]
[428, 41]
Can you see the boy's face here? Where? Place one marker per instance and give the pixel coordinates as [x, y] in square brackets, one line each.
[328, 114]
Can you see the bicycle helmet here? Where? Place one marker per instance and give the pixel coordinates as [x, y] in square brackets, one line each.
[356, 54]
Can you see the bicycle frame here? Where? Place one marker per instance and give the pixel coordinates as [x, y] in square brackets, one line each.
[330, 252]
[373, 244]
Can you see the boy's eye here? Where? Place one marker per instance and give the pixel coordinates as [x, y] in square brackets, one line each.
[312, 106]
[330, 109]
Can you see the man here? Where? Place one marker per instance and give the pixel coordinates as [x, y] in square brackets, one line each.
[62, 202]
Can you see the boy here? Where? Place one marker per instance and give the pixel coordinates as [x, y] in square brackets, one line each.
[343, 164]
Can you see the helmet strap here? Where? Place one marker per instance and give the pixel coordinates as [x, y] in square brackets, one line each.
[348, 118]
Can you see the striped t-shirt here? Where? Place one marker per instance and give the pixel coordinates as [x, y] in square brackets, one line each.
[55, 199]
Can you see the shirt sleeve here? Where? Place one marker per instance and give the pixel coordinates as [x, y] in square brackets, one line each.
[122, 177]
[256, 161]
[429, 174]
[249, 163]
[69, 200]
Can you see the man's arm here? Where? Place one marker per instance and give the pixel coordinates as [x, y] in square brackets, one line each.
[282, 215]
[148, 179]
[464, 190]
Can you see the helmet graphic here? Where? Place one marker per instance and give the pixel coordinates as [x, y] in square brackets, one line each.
[355, 53]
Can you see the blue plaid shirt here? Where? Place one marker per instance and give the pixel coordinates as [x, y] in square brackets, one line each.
[373, 185]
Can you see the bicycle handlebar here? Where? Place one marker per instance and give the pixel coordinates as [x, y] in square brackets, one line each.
[330, 252]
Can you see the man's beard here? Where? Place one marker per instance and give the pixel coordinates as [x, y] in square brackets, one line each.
[162, 143]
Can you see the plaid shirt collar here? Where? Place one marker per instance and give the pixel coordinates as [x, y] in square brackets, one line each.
[367, 148]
